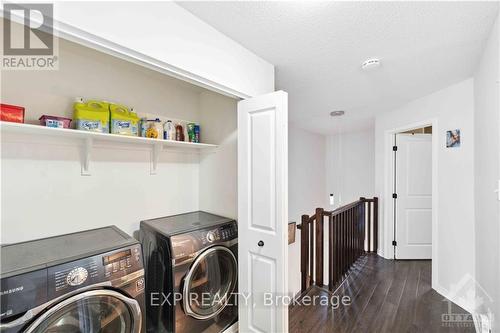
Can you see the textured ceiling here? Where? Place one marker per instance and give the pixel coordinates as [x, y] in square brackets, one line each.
[318, 47]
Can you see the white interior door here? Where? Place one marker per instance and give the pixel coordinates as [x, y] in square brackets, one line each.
[414, 196]
[263, 211]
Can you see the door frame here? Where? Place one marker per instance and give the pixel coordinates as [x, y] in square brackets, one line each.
[388, 220]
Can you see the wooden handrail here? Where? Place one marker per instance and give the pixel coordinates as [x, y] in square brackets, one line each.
[345, 207]
[352, 231]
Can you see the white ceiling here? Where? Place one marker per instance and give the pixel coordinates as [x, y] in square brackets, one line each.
[318, 47]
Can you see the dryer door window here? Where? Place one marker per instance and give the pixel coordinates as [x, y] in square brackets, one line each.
[210, 282]
[96, 311]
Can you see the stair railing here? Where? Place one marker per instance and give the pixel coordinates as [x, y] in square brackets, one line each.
[351, 230]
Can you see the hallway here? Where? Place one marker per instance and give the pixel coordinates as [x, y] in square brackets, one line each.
[386, 296]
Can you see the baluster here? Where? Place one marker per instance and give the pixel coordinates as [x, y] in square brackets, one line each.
[344, 243]
[360, 230]
[356, 221]
[349, 249]
[351, 230]
[375, 224]
[331, 245]
[369, 218]
[341, 245]
[311, 252]
[353, 223]
[337, 248]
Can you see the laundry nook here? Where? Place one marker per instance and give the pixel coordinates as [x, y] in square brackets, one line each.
[249, 166]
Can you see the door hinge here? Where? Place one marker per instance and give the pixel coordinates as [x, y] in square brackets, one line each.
[394, 195]
[394, 243]
[394, 148]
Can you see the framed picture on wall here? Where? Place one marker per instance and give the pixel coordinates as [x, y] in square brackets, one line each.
[453, 138]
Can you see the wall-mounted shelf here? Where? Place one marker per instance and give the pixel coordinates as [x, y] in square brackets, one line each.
[88, 139]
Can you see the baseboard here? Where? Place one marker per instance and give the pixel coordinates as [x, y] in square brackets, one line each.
[464, 305]
[382, 253]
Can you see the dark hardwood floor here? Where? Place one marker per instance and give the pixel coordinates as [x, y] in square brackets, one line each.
[386, 296]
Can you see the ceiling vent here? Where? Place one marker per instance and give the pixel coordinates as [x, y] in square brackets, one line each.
[370, 64]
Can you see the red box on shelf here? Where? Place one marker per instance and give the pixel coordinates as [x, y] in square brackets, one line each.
[12, 113]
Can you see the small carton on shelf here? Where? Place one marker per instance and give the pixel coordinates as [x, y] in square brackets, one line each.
[11, 113]
[55, 121]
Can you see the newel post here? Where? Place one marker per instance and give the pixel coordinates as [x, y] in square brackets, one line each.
[304, 252]
[319, 247]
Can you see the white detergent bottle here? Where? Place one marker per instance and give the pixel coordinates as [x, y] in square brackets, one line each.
[169, 130]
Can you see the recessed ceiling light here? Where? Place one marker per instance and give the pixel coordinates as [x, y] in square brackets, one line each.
[337, 113]
[370, 64]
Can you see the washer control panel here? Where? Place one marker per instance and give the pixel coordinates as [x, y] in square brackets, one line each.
[222, 233]
[184, 245]
[92, 270]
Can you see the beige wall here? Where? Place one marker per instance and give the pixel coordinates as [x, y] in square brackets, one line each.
[93, 75]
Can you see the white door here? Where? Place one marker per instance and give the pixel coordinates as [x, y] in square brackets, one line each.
[414, 196]
[263, 212]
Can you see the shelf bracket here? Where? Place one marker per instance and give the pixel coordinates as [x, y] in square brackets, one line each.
[155, 157]
[87, 150]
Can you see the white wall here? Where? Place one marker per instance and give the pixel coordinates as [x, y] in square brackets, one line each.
[313, 166]
[487, 175]
[165, 35]
[452, 108]
[306, 188]
[350, 166]
[42, 190]
[218, 170]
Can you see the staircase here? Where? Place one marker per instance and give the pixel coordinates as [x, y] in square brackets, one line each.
[349, 232]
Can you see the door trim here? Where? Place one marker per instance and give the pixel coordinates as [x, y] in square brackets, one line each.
[131, 303]
[388, 208]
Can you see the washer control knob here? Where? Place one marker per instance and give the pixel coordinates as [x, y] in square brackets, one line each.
[77, 276]
[210, 236]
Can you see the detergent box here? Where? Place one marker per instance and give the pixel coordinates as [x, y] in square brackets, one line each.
[123, 121]
[91, 116]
